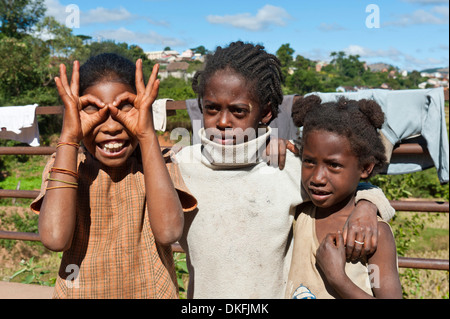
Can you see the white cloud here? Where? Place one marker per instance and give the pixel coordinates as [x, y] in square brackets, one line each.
[315, 54]
[366, 52]
[326, 27]
[97, 15]
[395, 57]
[157, 23]
[103, 15]
[437, 15]
[56, 10]
[128, 36]
[391, 55]
[425, 2]
[442, 10]
[266, 16]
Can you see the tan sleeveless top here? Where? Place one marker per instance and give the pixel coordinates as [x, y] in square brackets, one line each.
[305, 280]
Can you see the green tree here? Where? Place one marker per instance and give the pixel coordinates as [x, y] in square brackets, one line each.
[303, 63]
[415, 78]
[303, 81]
[19, 70]
[60, 39]
[84, 37]
[347, 67]
[17, 17]
[30, 63]
[284, 54]
[176, 89]
[337, 58]
[200, 49]
[352, 67]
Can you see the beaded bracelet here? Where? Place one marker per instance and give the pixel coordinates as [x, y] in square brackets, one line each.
[76, 145]
[64, 171]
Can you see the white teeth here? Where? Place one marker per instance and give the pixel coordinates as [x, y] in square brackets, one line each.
[112, 147]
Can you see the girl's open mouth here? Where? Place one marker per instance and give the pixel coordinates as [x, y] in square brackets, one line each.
[319, 195]
[112, 148]
[319, 192]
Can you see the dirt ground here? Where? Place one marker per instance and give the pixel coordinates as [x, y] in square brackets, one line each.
[13, 290]
[10, 261]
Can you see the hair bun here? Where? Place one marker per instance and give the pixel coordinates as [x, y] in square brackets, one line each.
[372, 111]
[302, 106]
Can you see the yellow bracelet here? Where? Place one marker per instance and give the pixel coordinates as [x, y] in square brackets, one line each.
[55, 187]
[59, 180]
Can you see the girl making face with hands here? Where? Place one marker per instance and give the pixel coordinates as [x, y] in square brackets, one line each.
[113, 210]
[340, 145]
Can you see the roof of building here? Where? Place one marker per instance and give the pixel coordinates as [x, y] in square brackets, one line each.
[175, 66]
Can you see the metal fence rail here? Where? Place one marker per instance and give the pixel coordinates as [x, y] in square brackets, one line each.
[410, 206]
[403, 262]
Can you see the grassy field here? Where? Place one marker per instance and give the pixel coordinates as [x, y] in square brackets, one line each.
[431, 242]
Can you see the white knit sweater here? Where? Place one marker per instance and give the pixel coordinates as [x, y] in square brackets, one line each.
[239, 242]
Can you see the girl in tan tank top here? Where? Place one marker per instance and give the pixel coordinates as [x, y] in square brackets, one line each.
[339, 147]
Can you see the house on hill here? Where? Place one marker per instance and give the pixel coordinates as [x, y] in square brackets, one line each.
[187, 55]
[163, 56]
[379, 67]
[176, 70]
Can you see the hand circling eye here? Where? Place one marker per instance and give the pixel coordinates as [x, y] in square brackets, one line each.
[90, 109]
[125, 107]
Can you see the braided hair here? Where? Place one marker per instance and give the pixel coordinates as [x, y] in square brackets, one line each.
[261, 69]
[358, 121]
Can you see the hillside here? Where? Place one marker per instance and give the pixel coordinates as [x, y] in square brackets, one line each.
[442, 70]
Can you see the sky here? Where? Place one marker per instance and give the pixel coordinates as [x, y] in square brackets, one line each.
[408, 34]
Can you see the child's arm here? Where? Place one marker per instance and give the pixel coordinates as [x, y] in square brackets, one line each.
[57, 213]
[386, 280]
[164, 207]
[383, 267]
[362, 223]
[331, 259]
[361, 226]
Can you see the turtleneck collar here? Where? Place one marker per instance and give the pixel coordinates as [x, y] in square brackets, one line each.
[245, 154]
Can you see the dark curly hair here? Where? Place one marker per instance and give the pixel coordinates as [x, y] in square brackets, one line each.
[107, 67]
[261, 69]
[358, 121]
